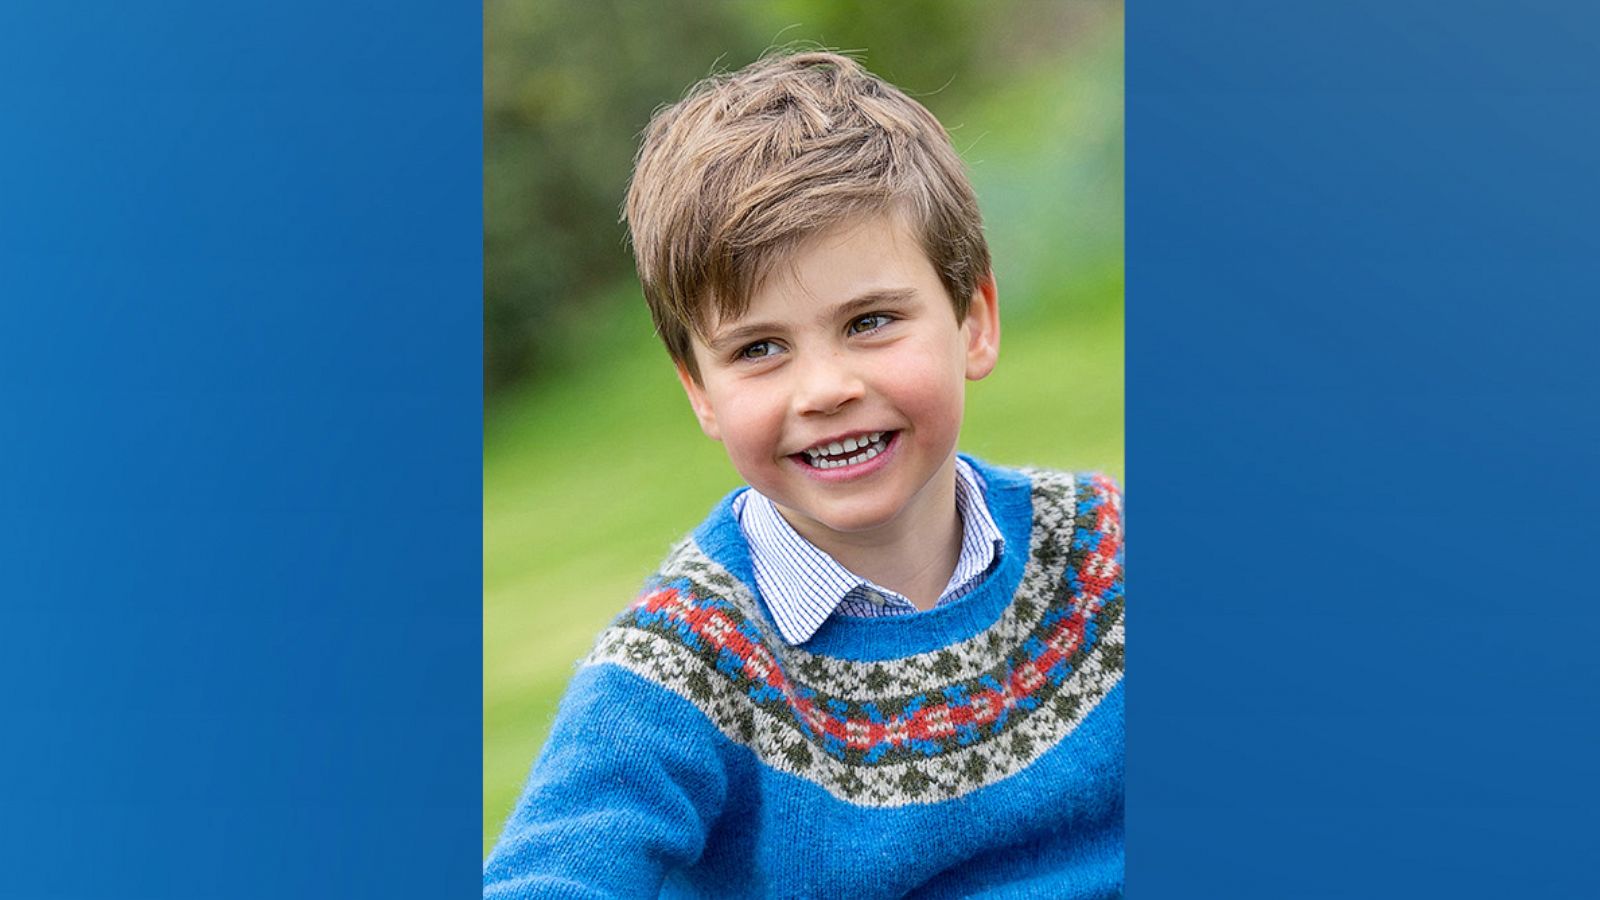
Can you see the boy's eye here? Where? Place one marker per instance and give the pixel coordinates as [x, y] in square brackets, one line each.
[868, 323]
[758, 350]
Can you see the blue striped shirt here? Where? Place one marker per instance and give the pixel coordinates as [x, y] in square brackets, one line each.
[804, 586]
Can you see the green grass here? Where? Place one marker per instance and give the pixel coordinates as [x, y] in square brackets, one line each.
[588, 482]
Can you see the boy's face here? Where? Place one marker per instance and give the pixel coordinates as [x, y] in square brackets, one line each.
[850, 341]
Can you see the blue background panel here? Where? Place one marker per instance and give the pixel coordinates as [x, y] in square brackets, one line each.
[1361, 431]
[239, 523]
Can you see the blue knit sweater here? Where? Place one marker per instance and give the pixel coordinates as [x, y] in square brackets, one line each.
[973, 748]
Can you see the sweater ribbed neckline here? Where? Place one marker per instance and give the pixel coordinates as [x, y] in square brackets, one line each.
[869, 639]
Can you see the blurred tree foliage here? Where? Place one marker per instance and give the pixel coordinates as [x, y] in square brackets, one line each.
[569, 85]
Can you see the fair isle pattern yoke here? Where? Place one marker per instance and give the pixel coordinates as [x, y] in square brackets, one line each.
[918, 729]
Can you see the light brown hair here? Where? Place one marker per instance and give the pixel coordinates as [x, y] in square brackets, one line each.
[750, 163]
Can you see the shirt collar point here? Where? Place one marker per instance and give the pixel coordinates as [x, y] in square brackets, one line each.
[795, 633]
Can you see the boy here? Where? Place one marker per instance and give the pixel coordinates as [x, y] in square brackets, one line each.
[884, 668]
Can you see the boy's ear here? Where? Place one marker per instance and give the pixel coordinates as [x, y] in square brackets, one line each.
[983, 329]
[697, 400]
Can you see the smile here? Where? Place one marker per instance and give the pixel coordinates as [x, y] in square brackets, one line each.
[849, 451]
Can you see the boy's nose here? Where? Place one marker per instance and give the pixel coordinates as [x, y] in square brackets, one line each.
[825, 385]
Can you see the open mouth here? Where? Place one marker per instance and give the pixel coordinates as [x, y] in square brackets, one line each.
[847, 452]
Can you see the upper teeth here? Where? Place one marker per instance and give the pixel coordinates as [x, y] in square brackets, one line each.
[848, 445]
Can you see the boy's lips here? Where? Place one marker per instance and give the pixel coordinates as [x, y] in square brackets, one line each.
[869, 456]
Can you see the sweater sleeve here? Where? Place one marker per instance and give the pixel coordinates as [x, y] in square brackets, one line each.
[625, 791]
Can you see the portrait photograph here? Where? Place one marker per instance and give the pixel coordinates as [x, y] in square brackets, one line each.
[783, 543]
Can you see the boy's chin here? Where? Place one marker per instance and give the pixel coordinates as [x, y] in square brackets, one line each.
[843, 518]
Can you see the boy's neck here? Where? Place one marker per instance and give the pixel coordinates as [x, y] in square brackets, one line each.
[914, 555]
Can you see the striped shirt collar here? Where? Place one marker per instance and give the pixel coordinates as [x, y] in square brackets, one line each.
[804, 586]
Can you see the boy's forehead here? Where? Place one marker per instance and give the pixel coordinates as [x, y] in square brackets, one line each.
[856, 257]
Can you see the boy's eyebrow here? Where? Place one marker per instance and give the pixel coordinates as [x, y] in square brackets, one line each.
[858, 304]
[740, 334]
[864, 302]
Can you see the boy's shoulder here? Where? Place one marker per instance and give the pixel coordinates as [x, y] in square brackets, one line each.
[1058, 502]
